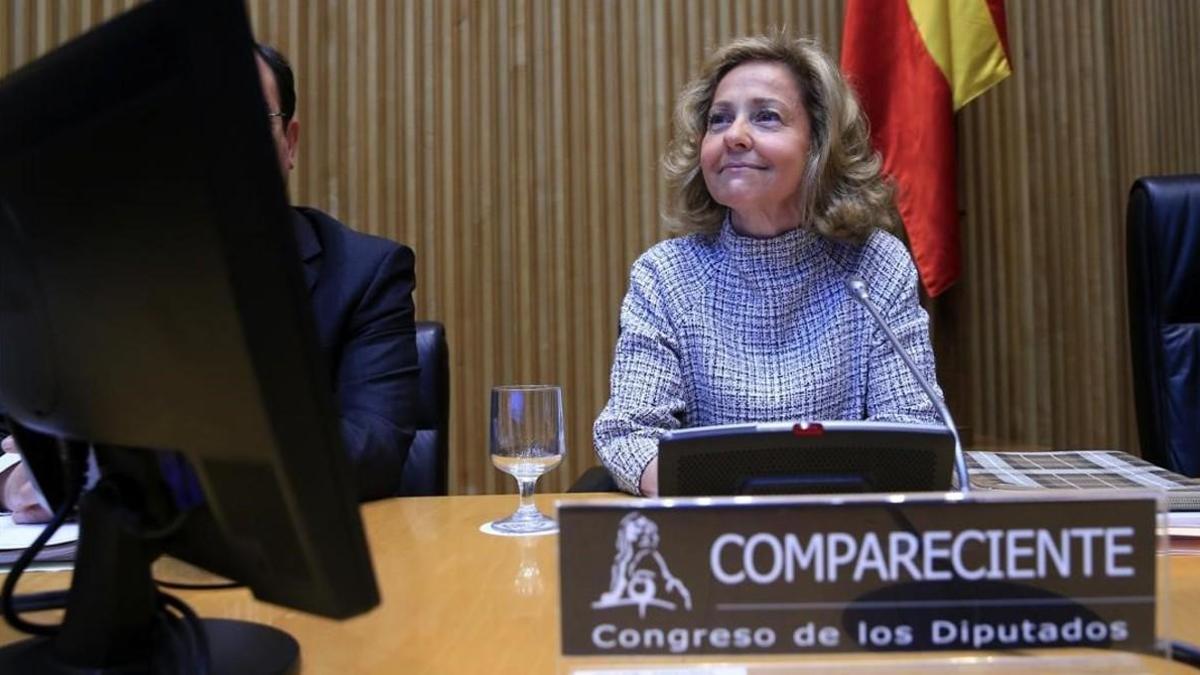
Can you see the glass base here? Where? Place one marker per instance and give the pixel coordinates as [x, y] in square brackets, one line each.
[526, 523]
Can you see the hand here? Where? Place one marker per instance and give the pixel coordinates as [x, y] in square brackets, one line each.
[649, 482]
[17, 491]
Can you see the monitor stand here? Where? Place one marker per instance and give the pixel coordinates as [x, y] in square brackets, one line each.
[114, 622]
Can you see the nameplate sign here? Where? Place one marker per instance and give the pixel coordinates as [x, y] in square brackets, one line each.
[873, 573]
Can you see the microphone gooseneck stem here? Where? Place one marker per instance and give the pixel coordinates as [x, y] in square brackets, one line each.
[858, 290]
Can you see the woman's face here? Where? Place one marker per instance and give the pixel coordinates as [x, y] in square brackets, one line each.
[754, 151]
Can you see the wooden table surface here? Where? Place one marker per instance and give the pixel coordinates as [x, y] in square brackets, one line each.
[457, 600]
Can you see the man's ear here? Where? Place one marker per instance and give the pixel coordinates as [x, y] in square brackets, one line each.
[292, 135]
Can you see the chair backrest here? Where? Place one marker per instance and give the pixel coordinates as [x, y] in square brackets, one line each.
[1163, 261]
[425, 470]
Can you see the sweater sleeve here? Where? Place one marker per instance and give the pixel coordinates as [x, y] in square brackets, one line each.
[893, 394]
[646, 396]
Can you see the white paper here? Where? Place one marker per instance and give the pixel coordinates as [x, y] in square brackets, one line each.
[1183, 519]
[14, 536]
[8, 460]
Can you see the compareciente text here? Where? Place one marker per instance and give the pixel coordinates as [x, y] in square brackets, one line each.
[932, 555]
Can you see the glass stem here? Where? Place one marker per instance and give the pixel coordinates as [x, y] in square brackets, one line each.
[527, 507]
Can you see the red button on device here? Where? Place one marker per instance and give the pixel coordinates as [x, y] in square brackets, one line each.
[807, 429]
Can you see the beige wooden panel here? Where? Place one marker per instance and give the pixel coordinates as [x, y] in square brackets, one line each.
[514, 145]
[1033, 343]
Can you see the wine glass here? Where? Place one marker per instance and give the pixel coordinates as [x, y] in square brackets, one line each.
[527, 441]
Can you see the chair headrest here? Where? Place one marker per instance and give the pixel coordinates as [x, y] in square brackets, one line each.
[1164, 223]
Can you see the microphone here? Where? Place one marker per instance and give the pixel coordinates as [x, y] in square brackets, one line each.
[857, 287]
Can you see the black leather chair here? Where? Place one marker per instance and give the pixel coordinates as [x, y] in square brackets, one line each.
[1163, 260]
[425, 470]
[595, 479]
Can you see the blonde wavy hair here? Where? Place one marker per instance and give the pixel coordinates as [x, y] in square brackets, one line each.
[844, 195]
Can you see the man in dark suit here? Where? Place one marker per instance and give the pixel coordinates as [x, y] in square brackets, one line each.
[361, 288]
[362, 300]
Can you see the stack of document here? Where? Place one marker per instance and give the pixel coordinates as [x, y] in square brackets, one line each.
[1096, 469]
[14, 539]
[1079, 470]
[1183, 531]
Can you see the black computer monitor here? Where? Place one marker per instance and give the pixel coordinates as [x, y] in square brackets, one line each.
[805, 458]
[151, 297]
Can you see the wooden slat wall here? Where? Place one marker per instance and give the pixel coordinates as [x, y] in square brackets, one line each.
[514, 145]
[1033, 343]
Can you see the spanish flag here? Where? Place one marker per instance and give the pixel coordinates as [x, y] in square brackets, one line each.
[914, 63]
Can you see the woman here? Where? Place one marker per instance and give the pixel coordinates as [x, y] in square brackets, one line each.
[747, 318]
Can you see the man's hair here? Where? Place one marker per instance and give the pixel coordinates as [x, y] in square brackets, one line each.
[843, 195]
[285, 82]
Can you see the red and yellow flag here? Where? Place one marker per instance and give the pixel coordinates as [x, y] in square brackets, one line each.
[914, 63]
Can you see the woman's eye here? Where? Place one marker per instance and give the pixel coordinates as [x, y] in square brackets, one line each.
[719, 119]
[767, 116]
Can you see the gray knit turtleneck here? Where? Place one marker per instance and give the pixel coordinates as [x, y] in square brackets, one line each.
[723, 328]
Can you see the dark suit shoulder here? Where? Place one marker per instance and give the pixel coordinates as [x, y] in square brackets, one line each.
[362, 289]
[338, 240]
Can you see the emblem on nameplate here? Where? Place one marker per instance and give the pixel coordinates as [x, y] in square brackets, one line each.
[640, 576]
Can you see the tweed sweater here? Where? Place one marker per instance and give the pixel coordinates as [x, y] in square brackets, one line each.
[720, 329]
